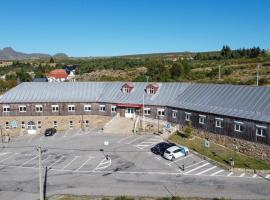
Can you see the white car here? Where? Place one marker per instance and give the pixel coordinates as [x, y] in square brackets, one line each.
[175, 152]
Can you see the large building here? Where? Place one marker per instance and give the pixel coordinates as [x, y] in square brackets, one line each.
[236, 111]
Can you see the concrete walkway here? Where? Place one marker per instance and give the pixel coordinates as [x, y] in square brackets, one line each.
[119, 125]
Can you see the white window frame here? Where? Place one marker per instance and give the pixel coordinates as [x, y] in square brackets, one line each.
[55, 108]
[55, 124]
[150, 90]
[147, 111]
[71, 124]
[219, 120]
[6, 108]
[86, 108]
[22, 124]
[174, 114]
[22, 108]
[161, 112]
[39, 124]
[102, 108]
[258, 127]
[39, 108]
[7, 125]
[71, 108]
[113, 109]
[202, 119]
[187, 116]
[126, 90]
[87, 124]
[237, 126]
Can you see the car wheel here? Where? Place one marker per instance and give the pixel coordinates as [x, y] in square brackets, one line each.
[173, 158]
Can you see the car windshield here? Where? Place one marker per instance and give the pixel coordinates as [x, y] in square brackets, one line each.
[168, 152]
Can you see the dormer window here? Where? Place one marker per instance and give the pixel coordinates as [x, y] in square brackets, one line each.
[127, 87]
[152, 88]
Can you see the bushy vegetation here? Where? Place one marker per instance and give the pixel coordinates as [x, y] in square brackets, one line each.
[236, 67]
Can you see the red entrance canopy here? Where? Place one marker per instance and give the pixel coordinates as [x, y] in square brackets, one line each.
[129, 105]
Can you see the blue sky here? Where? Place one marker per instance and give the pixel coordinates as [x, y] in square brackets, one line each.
[118, 27]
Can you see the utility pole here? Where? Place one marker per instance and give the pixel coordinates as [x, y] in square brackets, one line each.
[41, 196]
[258, 66]
[144, 91]
[219, 72]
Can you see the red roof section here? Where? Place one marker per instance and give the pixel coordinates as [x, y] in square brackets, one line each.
[130, 85]
[58, 73]
[129, 105]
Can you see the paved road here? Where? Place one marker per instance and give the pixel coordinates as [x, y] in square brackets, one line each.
[77, 166]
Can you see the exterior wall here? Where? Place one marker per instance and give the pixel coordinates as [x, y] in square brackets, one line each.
[63, 123]
[249, 132]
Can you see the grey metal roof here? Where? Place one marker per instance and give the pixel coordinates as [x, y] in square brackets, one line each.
[247, 102]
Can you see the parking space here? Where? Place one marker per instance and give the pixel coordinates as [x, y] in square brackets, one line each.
[79, 151]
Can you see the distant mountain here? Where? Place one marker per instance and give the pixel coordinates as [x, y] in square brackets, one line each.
[10, 54]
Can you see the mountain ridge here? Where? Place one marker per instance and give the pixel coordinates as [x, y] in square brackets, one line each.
[8, 53]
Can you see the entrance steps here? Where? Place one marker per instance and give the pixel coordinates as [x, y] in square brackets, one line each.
[119, 125]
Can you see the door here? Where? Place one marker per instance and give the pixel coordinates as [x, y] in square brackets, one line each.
[129, 112]
[31, 128]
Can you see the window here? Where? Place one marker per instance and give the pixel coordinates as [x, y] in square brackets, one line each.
[187, 116]
[147, 111]
[113, 108]
[6, 109]
[39, 124]
[202, 119]
[87, 108]
[22, 108]
[55, 108]
[87, 124]
[102, 108]
[238, 126]
[161, 112]
[150, 90]
[219, 123]
[70, 124]
[7, 125]
[261, 131]
[174, 113]
[71, 108]
[55, 125]
[23, 125]
[38, 108]
[126, 90]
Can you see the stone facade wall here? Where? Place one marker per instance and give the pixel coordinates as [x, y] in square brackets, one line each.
[63, 122]
[256, 150]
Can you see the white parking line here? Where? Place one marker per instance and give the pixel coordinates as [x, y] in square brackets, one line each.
[206, 170]
[194, 164]
[254, 176]
[103, 164]
[89, 158]
[197, 168]
[231, 173]
[67, 132]
[155, 139]
[61, 157]
[175, 161]
[135, 139]
[9, 157]
[77, 133]
[29, 161]
[158, 158]
[215, 173]
[125, 138]
[141, 146]
[70, 162]
[46, 158]
[241, 175]
[2, 154]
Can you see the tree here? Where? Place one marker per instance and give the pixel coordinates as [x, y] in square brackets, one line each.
[176, 70]
[188, 130]
[226, 51]
[51, 60]
[24, 76]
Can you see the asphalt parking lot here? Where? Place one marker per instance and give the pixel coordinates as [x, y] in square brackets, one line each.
[73, 155]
